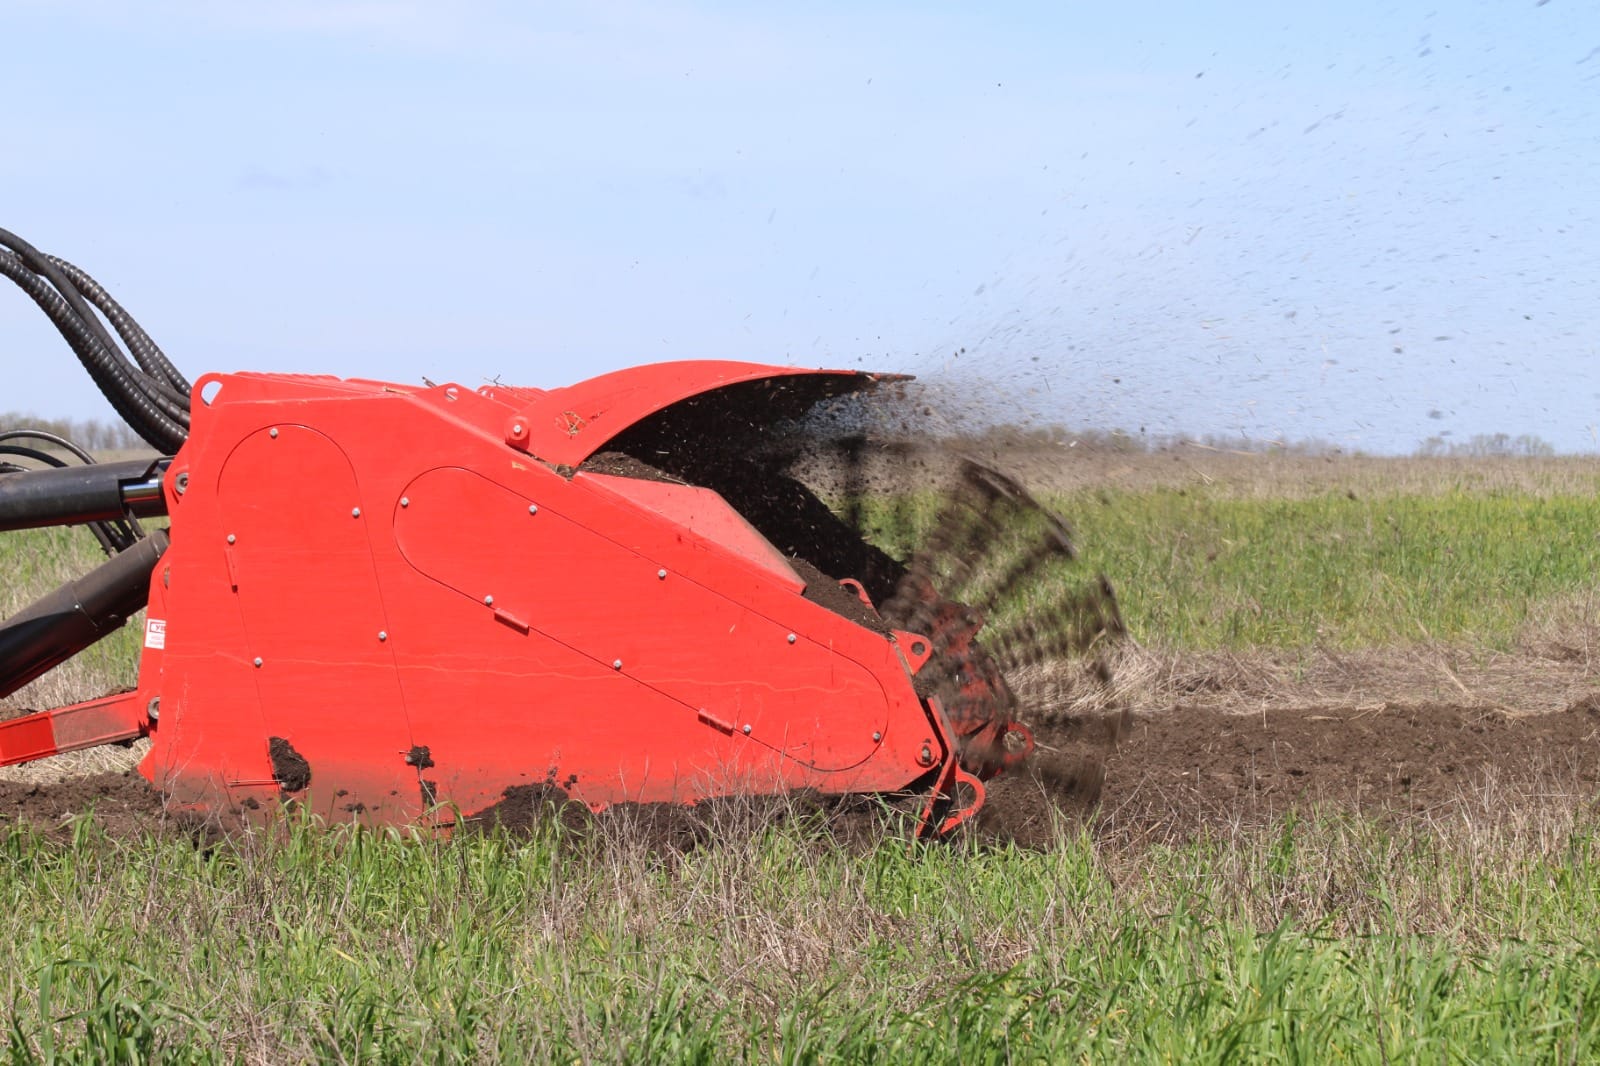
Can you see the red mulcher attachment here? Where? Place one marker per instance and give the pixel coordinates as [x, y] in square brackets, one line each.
[399, 604]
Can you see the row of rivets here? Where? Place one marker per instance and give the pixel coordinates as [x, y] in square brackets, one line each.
[405, 501]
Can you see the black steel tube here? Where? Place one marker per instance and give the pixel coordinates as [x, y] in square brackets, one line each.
[60, 625]
[69, 495]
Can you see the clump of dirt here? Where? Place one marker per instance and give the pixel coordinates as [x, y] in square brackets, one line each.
[526, 808]
[289, 767]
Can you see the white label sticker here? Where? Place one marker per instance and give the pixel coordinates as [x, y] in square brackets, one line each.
[155, 632]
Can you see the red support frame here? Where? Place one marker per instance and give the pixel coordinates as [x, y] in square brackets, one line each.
[109, 720]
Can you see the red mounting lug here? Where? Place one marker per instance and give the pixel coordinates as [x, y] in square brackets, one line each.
[956, 817]
[943, 793]
[914, 648]
[860, 590]
[950, 778]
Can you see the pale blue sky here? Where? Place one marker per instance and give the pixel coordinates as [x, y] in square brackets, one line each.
[1204, 218]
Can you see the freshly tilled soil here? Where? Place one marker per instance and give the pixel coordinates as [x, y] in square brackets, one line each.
[1183, 769]
[125, 804]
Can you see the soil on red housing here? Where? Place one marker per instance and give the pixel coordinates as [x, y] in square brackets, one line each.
[525, 807]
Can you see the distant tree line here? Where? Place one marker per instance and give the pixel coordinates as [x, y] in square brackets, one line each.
[90, 434]
[1488, 446]
[1119, 441]
[1123, 442]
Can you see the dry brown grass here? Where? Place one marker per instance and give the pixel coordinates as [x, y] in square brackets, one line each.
[80, 678]
[1268, 475]
[1149, 679]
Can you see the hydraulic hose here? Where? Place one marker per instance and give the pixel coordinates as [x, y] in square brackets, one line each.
[77, 614]
[147, 391]
[144, 350]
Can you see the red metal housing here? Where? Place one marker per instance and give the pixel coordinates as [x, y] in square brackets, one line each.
[394, 604]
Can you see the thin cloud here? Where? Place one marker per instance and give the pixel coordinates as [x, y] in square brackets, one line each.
[266, 178]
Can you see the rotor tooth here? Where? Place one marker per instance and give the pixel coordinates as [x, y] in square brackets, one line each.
[1032, 648]
[958, 532]
[1111, 607]
[1028, 565]
[902, 517]
[963, 529]
[987, 544]
[909, 606]
[1078, 623]
[958, 630]
[852, 448]
[995, 486]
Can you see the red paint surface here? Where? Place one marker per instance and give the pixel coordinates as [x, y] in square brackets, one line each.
[390, 574]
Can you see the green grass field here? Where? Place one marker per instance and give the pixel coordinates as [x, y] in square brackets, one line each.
[1205, 568]
[1198, 570]
[1329, 940]
[1333, 937]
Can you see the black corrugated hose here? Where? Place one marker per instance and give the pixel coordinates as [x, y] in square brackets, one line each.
[138, 379]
